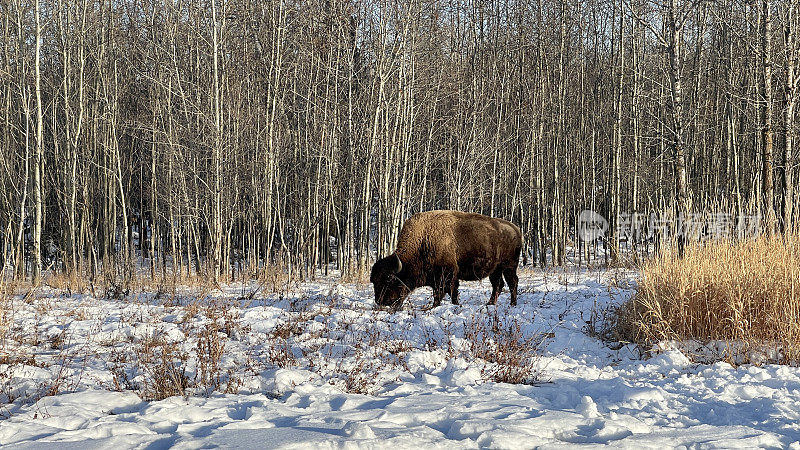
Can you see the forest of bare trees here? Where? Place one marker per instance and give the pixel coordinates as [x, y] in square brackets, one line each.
[218, 136]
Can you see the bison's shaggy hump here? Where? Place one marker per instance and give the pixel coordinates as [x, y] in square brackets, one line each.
[437, 248]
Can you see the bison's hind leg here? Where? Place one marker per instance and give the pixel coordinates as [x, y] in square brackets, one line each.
[513, 280]
[496, 278]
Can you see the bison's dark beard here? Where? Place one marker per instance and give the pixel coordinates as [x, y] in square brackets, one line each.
[405, 290]
[394, 307]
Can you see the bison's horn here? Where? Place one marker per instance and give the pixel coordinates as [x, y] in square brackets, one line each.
[399, 264]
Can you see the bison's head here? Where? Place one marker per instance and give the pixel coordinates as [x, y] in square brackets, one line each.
[390, 290]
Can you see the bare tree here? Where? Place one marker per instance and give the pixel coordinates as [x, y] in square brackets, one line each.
[768, 194]
[223, 137]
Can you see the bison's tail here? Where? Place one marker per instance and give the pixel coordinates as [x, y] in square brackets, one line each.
[524, 253]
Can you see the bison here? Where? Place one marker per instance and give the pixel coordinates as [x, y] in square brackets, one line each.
[439, 248]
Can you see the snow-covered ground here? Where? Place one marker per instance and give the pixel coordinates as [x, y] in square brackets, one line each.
[315, 366]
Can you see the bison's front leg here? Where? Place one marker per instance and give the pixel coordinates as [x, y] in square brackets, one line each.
[454, 290]
[437, 284]
[438, 295]
[496, 278]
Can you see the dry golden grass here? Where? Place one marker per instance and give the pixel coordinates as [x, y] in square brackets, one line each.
[5, 315]
[356, 275]
[118, 278]
[744, 292]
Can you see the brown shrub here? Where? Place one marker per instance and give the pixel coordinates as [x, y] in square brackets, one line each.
[511, 356]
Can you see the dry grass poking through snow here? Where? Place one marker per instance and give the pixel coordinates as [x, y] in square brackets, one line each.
[744, 293]
[5, 309]
[164, 339]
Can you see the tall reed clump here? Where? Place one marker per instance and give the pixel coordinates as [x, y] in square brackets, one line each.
[742, 292]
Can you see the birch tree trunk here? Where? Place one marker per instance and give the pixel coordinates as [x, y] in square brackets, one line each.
[768, 194]
[216, 213]
[617, 160]
[675, 58]
[790, 91]
[36, 272]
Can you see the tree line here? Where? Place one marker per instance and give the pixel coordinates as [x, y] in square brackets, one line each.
[221, 136]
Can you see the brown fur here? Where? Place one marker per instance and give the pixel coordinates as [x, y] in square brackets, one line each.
[439, 248]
